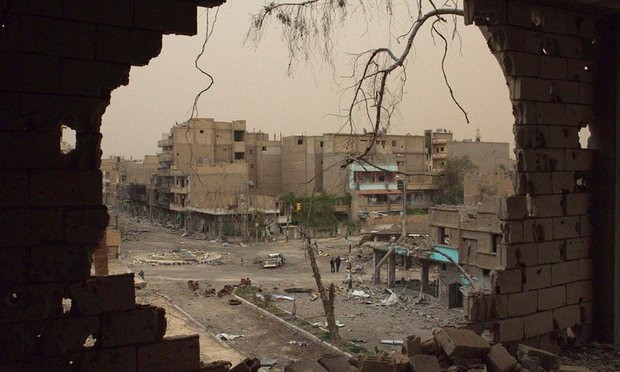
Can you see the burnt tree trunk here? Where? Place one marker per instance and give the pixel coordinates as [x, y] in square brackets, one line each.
[327, 297]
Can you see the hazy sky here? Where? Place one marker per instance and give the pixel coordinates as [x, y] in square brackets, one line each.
[251, 83]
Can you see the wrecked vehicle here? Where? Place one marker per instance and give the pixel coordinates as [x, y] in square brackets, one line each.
[273, 260]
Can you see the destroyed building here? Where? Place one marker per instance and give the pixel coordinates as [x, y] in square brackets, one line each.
[559, 232]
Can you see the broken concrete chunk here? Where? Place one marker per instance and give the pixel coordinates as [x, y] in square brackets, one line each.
[547, 360]
[572, 369]
[304, 366]
[335, 363]
[246, 365]
[500, 360]
[461, 343]
[413, 345]
[424, 363]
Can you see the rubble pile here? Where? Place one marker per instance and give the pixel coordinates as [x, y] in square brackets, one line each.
[180, 256]
[450, 350]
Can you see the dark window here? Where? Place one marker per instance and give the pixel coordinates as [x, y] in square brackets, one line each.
[321, 143]
[497, 239]
[300, 141]
[239, 135]
[393, 143]
[239, 155]
[202, 131]
[264, 148]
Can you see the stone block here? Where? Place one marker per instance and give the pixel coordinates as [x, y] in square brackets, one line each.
[566, 317]
[145, 324]
[70, 188]
[9, 111]
[246, 365]
[538, 324]
[508, 281]
[92, 78]
[499, 359]
[563, 182]
[30, 302]
[479, 308]
[566, 227]
[413, 345]
[378, 362]
[536, 160]
[424, 363]
[103, 294]
[551, 298]
[587, 316]
[525, 112]
[573, 47]
[170, 354]
[60, 336]
[484, 12]
[512, 208]
[550, 113]
[13, 341]
[578, 115]
[578, 160]
[578, 292]
[546, 360]
[565, 272]
[517, 255]
[531, 136]
[507, 330]
[137, 48]
[60, 263]
[564, 137]
[9, 37]
[512, 231]
[85, 225]
[585, 268]
[580, 70]
[55, 37]
[551, 252]
[546, 206]
[578, 203]
[538, 183]
[555, 68]
[17, 151]
[538, 229]
[304, 366]
[522, 303]
[578, 248]
[168, 16]
[461, 343]
[17, 260]
[116, 12]
[26, 226]
[334, 363]
[517, 64]
[32, 73]
[52, 8]
[537, 277]
[586, 93]
[13, 188]
[117, 359]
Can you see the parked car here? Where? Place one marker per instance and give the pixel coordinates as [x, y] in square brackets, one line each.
[274, 260]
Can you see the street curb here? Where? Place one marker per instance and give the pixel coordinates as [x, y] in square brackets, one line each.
[294, 327]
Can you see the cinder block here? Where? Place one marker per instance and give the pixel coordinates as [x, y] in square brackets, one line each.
[538, 229]
[580, 70]
[32, 73]
[500, 360]
[30, 302]
[551, 252]
[578, 248]
[168, 16]
[59, 263]
[538, 183]
[13, 188]
[517, 255]
[587, 27]
[507, 330]
[525, 112]
[585, 226]
[17, 151]
[117, 12]
[555, 68]
[550, 113]
[537, 277]
[170, 354]
[145, 324]
[512, 231]
[85, 225]
[538, 324]
[577, 292]
[564, 137]
[117, 359]
[103, 294]
[461, 343]
[92, 78]
[531, 136]
[578, 160]
[137, 46]
[565, 272]
[70, 188]
[563, 182]
[517, 64]
[585, 268]
[55, 37]
[565, 91]
[566, 317]
[536, 160]
[13, 341]
[587, 312]
[578, 203]
[578, 115]
[60, 336]
[566, 227]
[551, 298]
[586, 93]
[17, 260]
[522, 303]
[512, 208]
[508, 281]
[26, 226]
[572, 47]
[547, 206]
[424, 363]
[484, 12]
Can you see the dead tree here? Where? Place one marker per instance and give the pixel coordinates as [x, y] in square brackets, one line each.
[327, 296]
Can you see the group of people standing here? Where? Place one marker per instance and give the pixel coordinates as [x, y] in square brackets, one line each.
[335, 264]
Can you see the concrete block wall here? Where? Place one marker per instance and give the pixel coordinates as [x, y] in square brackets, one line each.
[60, 60]
[543, 292]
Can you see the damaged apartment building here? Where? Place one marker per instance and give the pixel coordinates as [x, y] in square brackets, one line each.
[62, 58]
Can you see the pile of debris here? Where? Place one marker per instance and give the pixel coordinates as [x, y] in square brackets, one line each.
[450, 350]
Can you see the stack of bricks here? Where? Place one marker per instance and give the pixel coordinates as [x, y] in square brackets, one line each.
[544, 293]
[60, 60]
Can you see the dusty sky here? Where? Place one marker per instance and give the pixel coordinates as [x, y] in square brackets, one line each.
[251, 83]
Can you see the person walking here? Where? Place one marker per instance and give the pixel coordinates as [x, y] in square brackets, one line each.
[337, 262]
[332, 263]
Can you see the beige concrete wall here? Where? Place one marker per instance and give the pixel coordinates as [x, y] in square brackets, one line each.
[488, 157]
[264, 158]
[301, 156]
[218, 186]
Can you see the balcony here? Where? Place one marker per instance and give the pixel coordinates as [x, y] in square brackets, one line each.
[440, 141]
[368, 186]
[167, 142]
[165, 157]
[179, 189]
[440, 156]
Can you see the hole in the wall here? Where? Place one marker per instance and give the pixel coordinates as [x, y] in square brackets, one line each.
[14, 297]
[66, 305]
[67, 140]
[538, 19]
[90, 341]
[584, 136]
